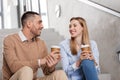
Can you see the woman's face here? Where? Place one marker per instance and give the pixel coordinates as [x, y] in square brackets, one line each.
[75, 28]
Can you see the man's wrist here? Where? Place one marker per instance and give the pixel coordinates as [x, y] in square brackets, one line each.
[51, 70]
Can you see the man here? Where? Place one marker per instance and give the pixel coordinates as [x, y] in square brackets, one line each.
[24, 53]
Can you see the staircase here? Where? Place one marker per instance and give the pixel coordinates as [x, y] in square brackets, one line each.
[51, 38]
[104, 76]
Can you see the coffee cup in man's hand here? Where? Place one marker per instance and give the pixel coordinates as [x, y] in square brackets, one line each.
[55, 48]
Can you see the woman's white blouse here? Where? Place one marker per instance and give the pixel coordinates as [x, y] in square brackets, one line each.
[68, 60]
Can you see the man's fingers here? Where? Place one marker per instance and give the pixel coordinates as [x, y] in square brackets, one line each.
[50, 59]
[55, 52]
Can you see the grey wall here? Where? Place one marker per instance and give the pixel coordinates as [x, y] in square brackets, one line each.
[103, 28]
[113, 4]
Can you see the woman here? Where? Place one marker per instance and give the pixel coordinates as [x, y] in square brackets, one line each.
[79, 65]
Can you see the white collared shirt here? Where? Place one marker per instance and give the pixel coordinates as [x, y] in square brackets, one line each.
[22, 36]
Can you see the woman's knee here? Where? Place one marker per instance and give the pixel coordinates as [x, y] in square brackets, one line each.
[87, 63]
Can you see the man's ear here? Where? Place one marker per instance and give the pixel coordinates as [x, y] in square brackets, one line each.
[29, 23]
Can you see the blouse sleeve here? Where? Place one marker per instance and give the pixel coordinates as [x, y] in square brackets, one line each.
[95, 54]
[68, 68]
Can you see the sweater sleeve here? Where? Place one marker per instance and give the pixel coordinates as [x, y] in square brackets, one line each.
[11, 58]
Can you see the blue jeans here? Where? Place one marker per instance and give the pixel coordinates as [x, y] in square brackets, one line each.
[89, 70]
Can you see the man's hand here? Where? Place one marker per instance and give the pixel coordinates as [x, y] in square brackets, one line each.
[53, 58]
[43, 61]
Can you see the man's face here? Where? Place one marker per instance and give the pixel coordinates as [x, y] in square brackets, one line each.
[36, 26]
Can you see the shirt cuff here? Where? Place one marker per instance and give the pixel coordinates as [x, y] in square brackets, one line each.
[74, 66]
[98, 69]
[39, 62]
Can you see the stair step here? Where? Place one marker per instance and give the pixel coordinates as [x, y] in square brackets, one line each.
[104, 76]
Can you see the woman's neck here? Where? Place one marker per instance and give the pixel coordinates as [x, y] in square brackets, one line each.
[78, 40]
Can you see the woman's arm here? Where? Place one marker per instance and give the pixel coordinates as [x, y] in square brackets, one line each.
[95, 54]
[68, 68]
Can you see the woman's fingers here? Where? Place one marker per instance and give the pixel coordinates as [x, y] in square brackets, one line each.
[86, 52]
[86, 55]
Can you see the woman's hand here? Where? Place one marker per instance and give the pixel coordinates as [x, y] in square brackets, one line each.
[86, 55]
[78, 63]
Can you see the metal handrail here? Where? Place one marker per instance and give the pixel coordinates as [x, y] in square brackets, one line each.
[101, 7]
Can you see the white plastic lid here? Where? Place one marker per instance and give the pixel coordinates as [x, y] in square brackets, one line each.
[55, 46]
[83, 46]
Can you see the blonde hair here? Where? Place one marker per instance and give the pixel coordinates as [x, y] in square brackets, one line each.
[85, 35]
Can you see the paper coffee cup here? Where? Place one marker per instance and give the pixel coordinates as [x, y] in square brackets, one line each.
[85, 47]
[55, 48]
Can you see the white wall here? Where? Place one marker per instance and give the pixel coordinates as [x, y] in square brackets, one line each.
[10, 14]
[103, 28]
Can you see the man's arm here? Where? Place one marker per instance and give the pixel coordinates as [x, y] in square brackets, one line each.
[51, 61]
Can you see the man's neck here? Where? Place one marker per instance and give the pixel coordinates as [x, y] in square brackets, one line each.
[27, 34]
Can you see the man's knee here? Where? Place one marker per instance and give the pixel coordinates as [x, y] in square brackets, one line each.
[25, 73]
[26, 70]
[60, 74]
